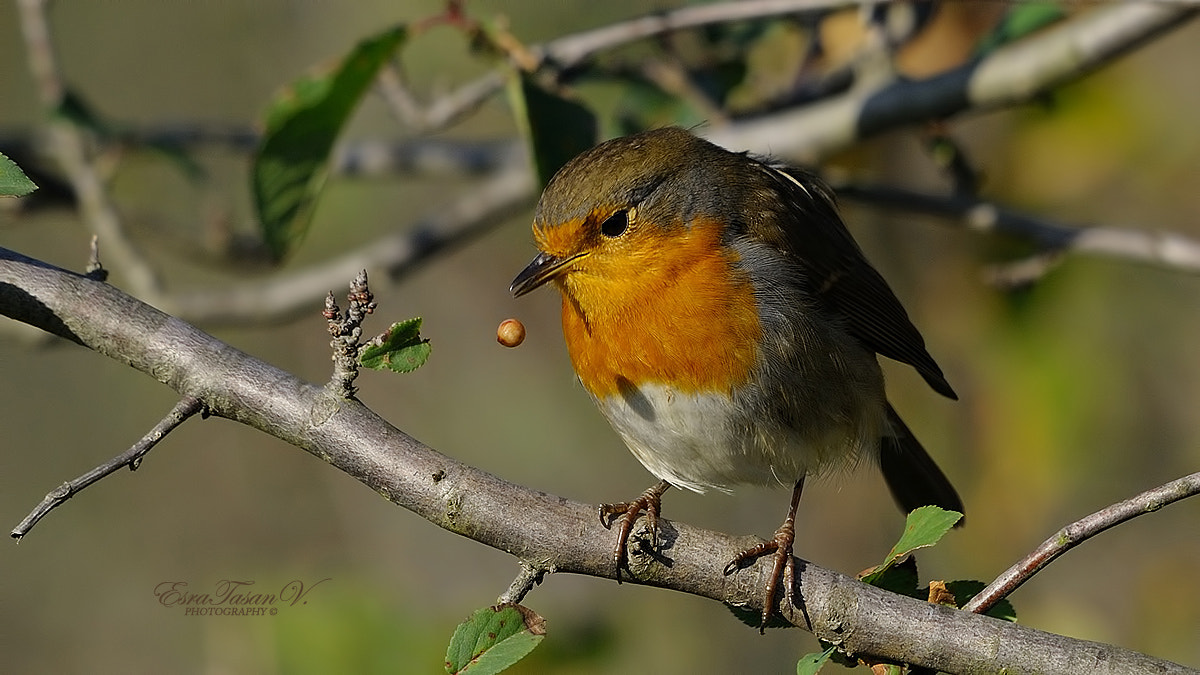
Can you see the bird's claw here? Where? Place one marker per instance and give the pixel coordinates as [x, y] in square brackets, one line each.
[626, 513]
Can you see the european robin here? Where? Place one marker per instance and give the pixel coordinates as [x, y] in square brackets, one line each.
[727, 324]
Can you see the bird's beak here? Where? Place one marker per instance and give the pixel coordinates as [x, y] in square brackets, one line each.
[543, 268]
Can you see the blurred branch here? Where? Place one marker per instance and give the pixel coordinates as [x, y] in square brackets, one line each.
[571, 50]
[185, 408]
[286, 295]
[355, 158]
[1165, 249]
[1078, 532]
[68, 146]
[393, 88]
[552, 534]
[1012, 74]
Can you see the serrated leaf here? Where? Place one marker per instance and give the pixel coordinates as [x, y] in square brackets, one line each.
[302, 123]
[400, 349]
[13, 181]
[965, 589]
[924, 527]
[811, 663]
[493, 639]
[555, 128]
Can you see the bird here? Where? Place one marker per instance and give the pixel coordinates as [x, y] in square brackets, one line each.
[728, 326]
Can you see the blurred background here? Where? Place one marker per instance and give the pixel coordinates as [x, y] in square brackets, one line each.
[1076, 392]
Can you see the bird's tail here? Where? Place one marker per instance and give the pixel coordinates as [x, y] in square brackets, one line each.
[911, 474]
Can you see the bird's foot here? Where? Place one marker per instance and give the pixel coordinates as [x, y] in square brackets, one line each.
[780, 549]
[626, 513]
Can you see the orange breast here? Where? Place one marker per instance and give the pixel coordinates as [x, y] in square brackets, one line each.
[681, 315]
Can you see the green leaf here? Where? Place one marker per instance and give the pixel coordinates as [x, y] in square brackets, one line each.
[965, 589]
[13, 181]
[811, 663]
[493, 639]
[924, 527]
[400, 349]
[302, 123]
[555, 128]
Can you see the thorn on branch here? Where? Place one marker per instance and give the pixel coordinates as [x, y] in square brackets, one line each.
[347, 332]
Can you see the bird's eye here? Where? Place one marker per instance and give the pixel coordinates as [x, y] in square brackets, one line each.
[616, 224]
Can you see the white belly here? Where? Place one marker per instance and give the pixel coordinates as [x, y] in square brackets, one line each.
[702, 441]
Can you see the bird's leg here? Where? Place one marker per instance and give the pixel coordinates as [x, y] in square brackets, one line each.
[781, 546]
[650, 502]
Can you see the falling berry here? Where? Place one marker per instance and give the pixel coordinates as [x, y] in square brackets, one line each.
[510, 333]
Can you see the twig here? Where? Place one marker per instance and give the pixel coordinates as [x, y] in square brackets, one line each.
[347, 331]
[1165, 249]
[95, 269]
[571, 50]
[427, 156]
[463, 101]
[1024, 272]
[393, 89]
[527, 578]
[1079, 532]
[185, 408]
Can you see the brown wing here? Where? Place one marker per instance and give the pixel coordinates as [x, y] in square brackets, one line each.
[846, 284]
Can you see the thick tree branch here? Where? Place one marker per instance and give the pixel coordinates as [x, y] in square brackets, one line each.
[553, 534]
